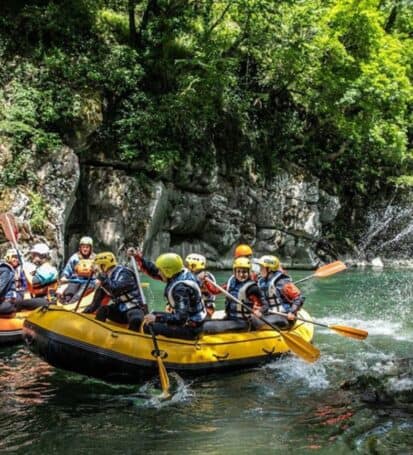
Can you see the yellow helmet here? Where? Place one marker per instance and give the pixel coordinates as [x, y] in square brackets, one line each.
[242, 250]
[105, 261]
[12, 252]
[270, 262]
[169, 264]
[195, 262]
[241, 263]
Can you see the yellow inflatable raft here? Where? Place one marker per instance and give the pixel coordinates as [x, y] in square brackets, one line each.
[11, 329]
[77, 342]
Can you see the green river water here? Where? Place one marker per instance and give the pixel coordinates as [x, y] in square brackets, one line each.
[287, 406]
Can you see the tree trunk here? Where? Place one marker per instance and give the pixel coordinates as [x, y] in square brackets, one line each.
[132, 23]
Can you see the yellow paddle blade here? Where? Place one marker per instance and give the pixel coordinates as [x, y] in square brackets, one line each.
[350, 332]
[300, 347]
[330, 269]
[163, 376]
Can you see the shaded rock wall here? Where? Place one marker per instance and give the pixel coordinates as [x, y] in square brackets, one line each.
[281, 217]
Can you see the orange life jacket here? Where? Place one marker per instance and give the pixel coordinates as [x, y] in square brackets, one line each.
[84, 268]
[42, 291]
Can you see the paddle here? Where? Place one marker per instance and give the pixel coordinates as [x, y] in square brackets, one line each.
[163, 375]
[9, 225]
[325, 270]
[296, 344]
[83, 292]
[350, 332]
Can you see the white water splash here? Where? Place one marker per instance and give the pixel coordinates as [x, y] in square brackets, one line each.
[400, 385]
[374, 327]
[153, 398]
[382, 224]
[406, 231]
[313, 375]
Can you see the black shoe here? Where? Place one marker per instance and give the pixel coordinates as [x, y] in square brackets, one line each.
[135, 325]
[101, 314]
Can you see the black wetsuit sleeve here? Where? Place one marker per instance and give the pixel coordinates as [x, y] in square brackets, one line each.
[125, 281]
[6, 280]
[97, 299]
[149, 268]
[254, 294]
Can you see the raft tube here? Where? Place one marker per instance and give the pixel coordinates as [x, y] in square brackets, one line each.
[11, 329]
[105, 350]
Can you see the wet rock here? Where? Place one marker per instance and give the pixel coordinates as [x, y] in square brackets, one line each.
[194, 210]
[392, 384]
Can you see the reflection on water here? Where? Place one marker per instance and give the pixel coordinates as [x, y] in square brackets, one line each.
[286, 406]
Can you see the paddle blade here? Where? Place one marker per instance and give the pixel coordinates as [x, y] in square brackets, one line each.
[351, 332]
[163, 376]
[300, 347]
[8, 223]
[330, 269]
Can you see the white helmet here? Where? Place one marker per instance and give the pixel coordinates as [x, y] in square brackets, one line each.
[86, 241]
[40, 248]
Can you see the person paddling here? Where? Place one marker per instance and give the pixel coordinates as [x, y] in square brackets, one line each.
[245, 251]
[76, 273]
[245, 289]
[280, 293]
[196, 263]
[183, 295]
[120, 284]
[12, 258]
[41, 278]
[7, 290]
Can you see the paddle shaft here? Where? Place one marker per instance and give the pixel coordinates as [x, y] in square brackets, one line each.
[325, 270]
[163, 374]
[83, 292]
[155, 341]
[304, 279]
[284, 315]
[136, 271]
[351, 332]
[9, 232]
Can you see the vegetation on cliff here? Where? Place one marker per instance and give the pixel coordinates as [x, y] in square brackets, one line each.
[326, 84]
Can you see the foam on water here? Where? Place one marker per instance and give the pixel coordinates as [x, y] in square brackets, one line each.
[400, 385]
[312, 375]
[150, 397]
[375, 327]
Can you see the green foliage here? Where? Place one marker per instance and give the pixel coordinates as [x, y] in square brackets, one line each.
[17, 170]
[326, 84]
[38, 210]
[112, 26]
[405, 181]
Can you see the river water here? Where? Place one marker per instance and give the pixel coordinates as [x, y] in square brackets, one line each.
[287, 406]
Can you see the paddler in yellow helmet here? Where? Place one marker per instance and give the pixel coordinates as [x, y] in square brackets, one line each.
[78, 269]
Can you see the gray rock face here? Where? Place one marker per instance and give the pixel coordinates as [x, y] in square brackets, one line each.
[208, 214]
[56, 186]
[282, 217]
